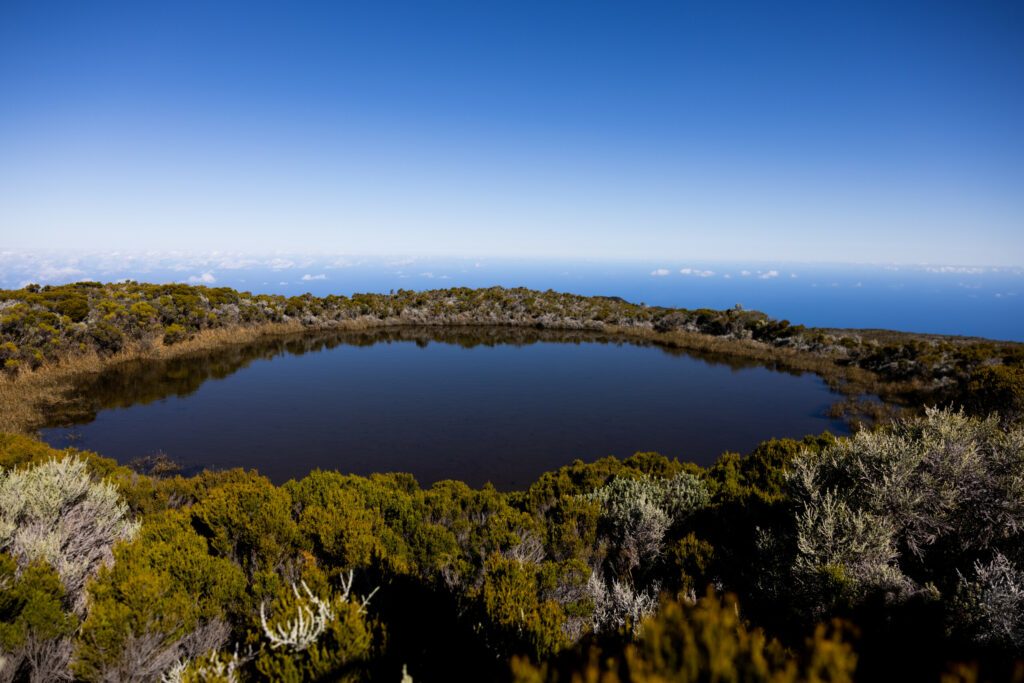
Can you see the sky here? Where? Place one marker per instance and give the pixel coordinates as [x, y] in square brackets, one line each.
[881, 132]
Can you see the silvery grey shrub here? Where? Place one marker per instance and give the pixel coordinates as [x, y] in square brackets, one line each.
[990, 604]
[635, 515]
[636, 512]
[56, 511]
[939, 491]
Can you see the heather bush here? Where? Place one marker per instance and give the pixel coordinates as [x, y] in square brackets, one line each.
[312, 637]
[930, 511]
[56, 512]
[36, 625]
[706, 640]
[913, 532]
[637, 512]
[989, 605]
[166, 597]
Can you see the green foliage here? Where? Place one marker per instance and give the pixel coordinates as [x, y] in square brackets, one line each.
[249, 522]
[161, 587]
[34, 615]
[704, 641]
[519, 617]
[692, 556]
[763, 472]
[1000, 389]
[174, 333]
[338, 653]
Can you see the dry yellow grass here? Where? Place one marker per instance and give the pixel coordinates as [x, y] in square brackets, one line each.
[27, 397]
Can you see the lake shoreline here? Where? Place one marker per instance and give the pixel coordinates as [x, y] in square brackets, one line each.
[53, 335]
[27, 397]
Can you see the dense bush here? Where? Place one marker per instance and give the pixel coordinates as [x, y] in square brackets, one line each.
[897, 552]
[703, 640]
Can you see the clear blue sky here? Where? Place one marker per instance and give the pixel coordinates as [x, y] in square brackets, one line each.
[814, 131]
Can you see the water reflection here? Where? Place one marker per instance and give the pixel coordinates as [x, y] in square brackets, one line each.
[145, 381]
[477, 404]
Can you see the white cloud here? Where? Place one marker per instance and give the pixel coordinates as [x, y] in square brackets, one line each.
[342, 262]
[961, 270]
[745, 273]
[280, 264]
[660, 272]
[728, 276]
[307, 277]
[696, 272]
[206, 278]
[768, 274]
[235, 263]
[50, 272]
[793, 275]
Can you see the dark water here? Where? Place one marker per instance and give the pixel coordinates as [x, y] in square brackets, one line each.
[477, 405]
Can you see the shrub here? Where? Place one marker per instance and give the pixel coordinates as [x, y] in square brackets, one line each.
[107, 337]
[250, 522]
[519, 619]
[906, 509]
[620, 606]
[166, 597]
[35, 627]
[990, 605]
[54, 511]
[174, 333]
[313, 638]
[636, 513]
[703, 641]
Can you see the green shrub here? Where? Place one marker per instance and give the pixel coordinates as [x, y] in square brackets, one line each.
[166, 597]
[705, 641]
[35, 622]
[174, 333]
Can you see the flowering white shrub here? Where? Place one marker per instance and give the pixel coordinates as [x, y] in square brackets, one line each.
[636, 513]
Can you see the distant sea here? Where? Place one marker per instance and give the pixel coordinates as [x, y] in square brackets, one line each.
[943, 299]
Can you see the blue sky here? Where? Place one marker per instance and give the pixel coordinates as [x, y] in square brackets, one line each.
[812, 131]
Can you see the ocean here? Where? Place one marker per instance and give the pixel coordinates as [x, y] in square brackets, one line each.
[942, 299]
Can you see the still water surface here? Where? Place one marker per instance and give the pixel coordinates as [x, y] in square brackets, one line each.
[478, 405]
